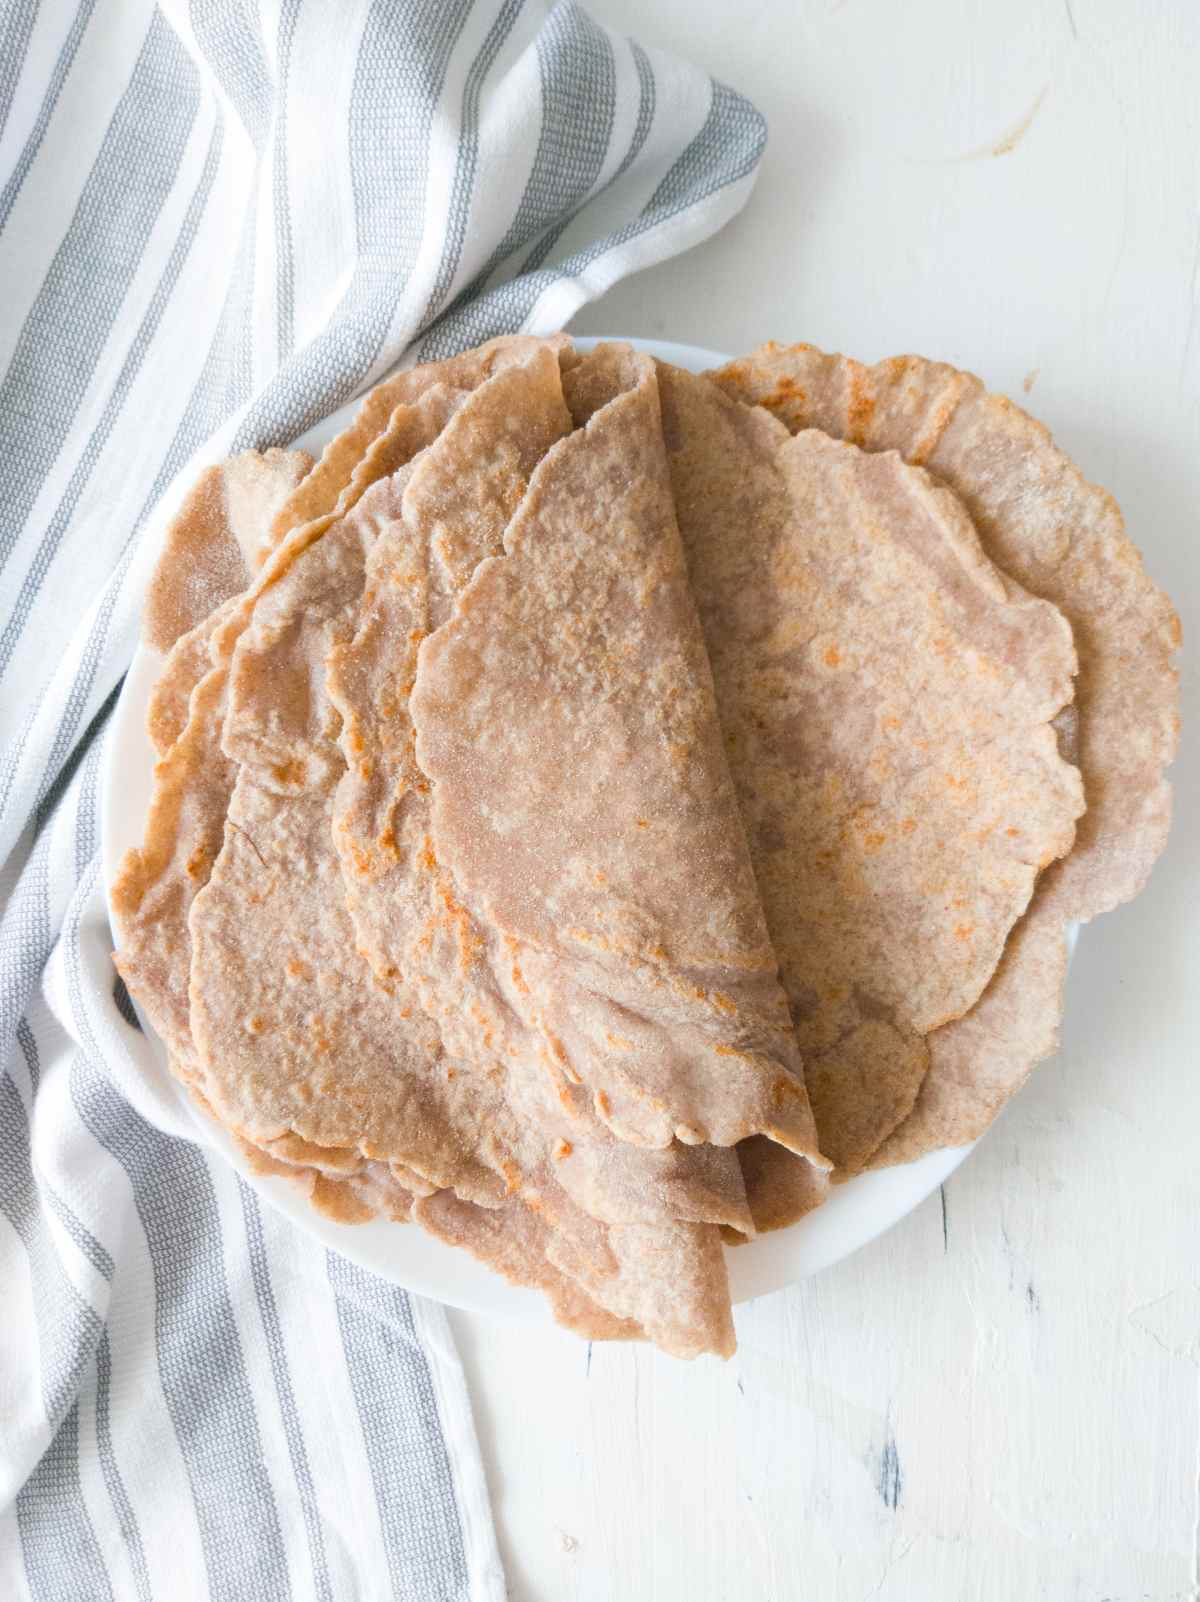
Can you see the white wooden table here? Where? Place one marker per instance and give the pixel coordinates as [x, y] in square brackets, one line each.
[1001, 1398]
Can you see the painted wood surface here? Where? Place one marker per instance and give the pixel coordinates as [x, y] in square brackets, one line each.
[1001, 1398]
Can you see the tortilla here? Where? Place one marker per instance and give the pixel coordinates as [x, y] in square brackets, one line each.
[187, 662]
[294, 1037]
[780, 1187]
[219, 538]
[283, 729]
[152, 895]
[583, 806]
[886, 698]
[366, 1191]
[673, 1281]
[321, 491]
[280, 723]
[1058, 535]
[1063, 539]
[977, 1062]
[157, 882]
[512, 1240]
[216, 540]
[395, 893]
[334, 1186]
[407, 918]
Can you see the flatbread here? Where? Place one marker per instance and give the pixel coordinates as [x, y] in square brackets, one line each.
[283, 730]
[321, 491]
[217, 540]
[977, 1062]
[1063, 539]
[583, 806]
[410, 924]
[886, 697]
[156, 883]
[347, 1195]
[152, 895]
[693, 1318]
[188, 660]
[293, 1036]
[780, 1187]
[512, 1240]
[404, 907]
[338, 1179]
[280, 722]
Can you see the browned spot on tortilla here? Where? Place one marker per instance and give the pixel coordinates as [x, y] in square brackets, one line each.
[861, 404]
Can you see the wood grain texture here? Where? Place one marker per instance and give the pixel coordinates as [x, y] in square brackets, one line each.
[1002, 1402]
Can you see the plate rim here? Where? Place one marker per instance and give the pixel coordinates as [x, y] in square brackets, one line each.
[856, 1212]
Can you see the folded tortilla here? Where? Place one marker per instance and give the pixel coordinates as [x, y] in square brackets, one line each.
[583, 807]
[886, 696]
[295, 1038]
[1064, 540]
[406, 916]
[322, 490]
[410, 918]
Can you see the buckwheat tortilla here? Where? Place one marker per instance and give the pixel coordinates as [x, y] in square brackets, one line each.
[157, 882]
[1064, 540]
[291, 1038]
[216, 540]
[623, 1282]
[780, 1187]
[408, 920]
[695, 1313]
[886, 697]
[406, 916]
[188, 660]
[321, 491]
[153, 893]
[978, 1061]
[512, 755]
[512, 1240]
[294, 1036]
[583, 806]
[280, 723]
[349, 1192]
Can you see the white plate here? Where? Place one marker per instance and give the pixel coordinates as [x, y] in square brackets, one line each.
[855, 1213]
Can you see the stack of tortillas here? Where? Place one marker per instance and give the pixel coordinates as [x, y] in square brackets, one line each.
[598, 807]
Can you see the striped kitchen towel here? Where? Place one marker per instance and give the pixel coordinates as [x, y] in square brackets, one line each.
[218, 221]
